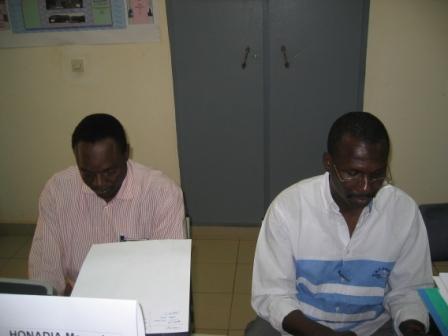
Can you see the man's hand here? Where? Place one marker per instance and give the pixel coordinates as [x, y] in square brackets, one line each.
[296, 323]
[68, 287]
[412, 328]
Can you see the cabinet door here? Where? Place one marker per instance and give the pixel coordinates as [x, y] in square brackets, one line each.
[324, 42]
[219, 108]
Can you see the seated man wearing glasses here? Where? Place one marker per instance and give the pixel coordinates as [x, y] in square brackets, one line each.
[343, 253]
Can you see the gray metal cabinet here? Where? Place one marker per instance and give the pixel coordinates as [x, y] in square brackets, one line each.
[257, 85]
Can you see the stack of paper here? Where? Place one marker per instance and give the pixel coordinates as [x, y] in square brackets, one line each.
[156, 273]
[436, 300]
[442, 284]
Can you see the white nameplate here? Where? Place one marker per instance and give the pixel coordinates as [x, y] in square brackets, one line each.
[35, 315]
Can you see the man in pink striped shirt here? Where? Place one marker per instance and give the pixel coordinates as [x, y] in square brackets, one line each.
[105, 198]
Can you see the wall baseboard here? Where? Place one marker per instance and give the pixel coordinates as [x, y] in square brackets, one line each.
[17, 229]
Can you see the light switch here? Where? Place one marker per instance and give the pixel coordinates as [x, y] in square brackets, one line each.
[77, 65]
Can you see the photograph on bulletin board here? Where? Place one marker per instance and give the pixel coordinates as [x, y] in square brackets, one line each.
[32, 23]
[53, 15]
[75, 13]
[140, 12]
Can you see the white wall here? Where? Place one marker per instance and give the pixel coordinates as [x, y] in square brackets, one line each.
[407, 87]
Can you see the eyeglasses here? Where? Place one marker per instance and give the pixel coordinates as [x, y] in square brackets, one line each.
[358, 177]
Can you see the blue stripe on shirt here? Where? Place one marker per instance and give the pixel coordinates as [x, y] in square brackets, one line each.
[357, 273]
[338, 303]
[369, 273]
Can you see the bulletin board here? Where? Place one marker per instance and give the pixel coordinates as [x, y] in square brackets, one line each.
[28, 23]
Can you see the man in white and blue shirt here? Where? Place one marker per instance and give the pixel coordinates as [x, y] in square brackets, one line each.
[343, 253]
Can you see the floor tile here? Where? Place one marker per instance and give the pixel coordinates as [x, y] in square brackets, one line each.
[214, 251]
[15, 268]
[242, 312]
[249, 233]
[442, 266]
[3, 261]
[211, 311]
[213, 278]
[243, 279]
[246, 251]
[215, 232]
[435, 271]
[225, 232]
[207, 332]
[10, 245]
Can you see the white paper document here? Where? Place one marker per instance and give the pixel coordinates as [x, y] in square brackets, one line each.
[442, 284]
[156, 273]
[68, 316]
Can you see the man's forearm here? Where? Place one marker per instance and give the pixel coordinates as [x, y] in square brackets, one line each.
[298, 324]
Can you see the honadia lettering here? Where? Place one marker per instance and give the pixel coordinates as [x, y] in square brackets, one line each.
[39, 333]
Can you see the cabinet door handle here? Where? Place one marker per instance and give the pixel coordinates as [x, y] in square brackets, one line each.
[285, 57]
[246, 55]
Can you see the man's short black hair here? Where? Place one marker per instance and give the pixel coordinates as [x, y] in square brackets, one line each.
[99, 126]
[361, 125]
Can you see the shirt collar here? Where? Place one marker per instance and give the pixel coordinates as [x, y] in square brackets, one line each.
[329, 202]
